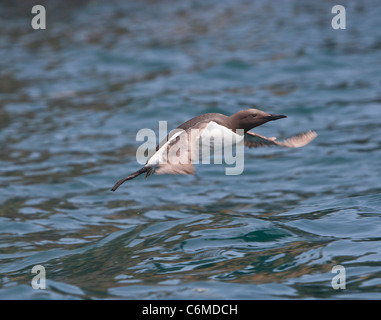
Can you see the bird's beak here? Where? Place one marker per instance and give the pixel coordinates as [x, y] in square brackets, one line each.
[275, 117]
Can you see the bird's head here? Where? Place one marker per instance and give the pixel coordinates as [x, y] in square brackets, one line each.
[250, 118]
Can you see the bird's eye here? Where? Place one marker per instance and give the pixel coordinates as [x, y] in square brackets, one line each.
[254, 115]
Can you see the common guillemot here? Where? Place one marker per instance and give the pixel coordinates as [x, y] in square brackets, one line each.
[238, 124]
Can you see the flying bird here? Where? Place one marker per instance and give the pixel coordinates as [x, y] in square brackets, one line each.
[237, 125]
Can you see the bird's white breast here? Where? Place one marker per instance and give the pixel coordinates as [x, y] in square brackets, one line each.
[216, 132]
[212, 137]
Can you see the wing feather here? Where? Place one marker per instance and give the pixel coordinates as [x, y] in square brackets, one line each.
[254, 140]
[178, 153]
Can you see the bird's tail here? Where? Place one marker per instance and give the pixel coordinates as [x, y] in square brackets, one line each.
[131, 176]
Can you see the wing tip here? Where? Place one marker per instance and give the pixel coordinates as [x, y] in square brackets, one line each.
[303, 139]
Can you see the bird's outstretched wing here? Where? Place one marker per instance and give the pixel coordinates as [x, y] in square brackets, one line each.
[170, 160]
[254, 140]
[177, 154]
